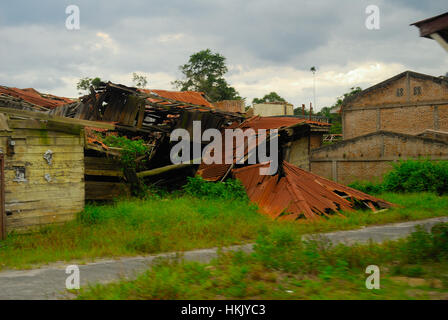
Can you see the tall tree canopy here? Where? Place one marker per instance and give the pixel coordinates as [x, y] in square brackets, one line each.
[205, 72]
[270, 97]
[84, 84]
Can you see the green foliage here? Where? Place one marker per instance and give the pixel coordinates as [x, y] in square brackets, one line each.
[200, 188]
[410, 176]
[270, 97]
[205, 72]
[418, 176]
[84, 84]
[131, 149]
[367, 187]
[181, 222]
[423, 245]
[283, 266]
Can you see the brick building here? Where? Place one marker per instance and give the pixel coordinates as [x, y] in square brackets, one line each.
[408, 103]
[369, 157]
[404, 117]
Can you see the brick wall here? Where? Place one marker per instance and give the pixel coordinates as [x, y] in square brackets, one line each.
[410, 104]
[369, 157]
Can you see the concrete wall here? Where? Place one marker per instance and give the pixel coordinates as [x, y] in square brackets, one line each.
[369, 157]
[410, 104]
[298, 153]
[273, 109]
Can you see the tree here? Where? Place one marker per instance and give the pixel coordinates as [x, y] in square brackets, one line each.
[332, 113]
[140, 81]
[84, 84]
[205, 72]
[270, 97]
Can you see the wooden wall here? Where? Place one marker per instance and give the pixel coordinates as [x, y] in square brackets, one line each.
[50, 193]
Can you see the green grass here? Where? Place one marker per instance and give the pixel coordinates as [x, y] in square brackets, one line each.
[284, 267]
[178, 223]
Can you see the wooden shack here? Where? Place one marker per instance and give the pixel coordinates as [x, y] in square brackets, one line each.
[42, 169]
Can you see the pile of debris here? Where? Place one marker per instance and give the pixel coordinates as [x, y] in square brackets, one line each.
[151, 115]
[292, 193]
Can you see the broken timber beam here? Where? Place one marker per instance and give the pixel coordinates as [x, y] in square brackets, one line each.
[161, 170]
[64, 120]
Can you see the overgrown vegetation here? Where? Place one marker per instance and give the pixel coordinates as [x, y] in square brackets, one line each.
[411, 176]
[131, 150]
[200, 188]
[177, 222]
[285, 267]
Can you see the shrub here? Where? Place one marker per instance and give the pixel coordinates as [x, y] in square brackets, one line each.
[367, 187]
[200, 188]
[410, 176]
[418, 176]
[131, 149]
[422, 245]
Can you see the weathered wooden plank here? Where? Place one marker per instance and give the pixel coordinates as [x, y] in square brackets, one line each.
[29, 149]
[40, 179]
[24, 133]
[99, 190]
[61, 120]
[12, 223]
[38, 192]
[61, 164]
[58, 156]
[106, 173]
[37, 205]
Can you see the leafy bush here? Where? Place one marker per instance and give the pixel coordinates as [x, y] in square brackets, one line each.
[200, 188]
[131, 149]
[418, 176]
[410, 176]
[422, 245]
[367, 187]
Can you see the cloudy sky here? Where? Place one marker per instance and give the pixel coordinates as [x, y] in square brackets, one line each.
[269, 45]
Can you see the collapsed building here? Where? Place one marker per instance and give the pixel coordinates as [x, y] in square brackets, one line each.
[55, 156]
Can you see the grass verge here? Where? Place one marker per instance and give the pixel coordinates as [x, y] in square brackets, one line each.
[284, 267]
[179, 223]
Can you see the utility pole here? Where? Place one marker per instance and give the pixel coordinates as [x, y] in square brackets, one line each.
[313, 70]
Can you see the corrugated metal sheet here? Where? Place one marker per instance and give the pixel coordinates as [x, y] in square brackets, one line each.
[35, 97]
[297, 193]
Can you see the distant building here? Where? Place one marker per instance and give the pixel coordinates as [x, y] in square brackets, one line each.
[404, 117]
[408, 103]
[273, 109]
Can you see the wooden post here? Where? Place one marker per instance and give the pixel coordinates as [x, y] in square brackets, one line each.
[303, 110]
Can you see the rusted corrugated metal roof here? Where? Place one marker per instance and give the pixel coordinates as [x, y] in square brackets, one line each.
[193, 97]
[300, 194]
[35, 97]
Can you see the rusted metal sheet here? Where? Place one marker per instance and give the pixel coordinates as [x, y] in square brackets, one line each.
[31, 97]
[295, 193]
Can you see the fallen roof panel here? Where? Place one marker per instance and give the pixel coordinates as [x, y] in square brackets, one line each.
[297, 193]
[35, 97]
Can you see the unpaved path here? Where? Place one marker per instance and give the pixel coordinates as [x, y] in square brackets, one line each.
[49, 282]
